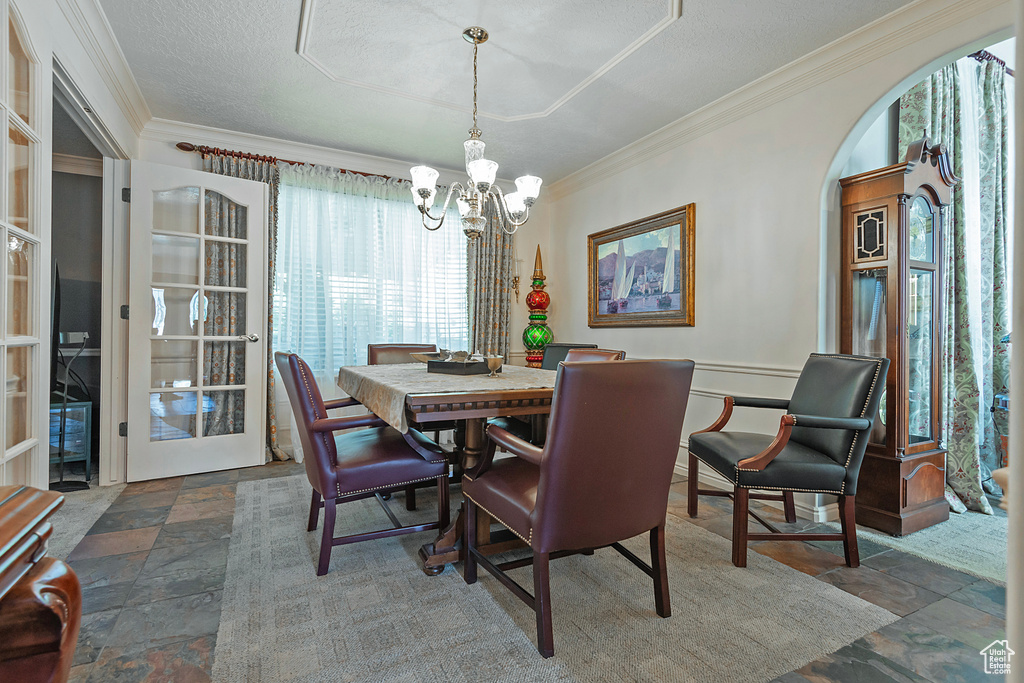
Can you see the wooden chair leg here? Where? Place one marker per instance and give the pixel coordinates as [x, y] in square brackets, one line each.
[314, 511]
[662, 604]
[542, 604]
[848, 520]
[410, 497]
[469, 539]
[789, 506]
[327, 540]
[691, 486]
[741, 507]
[443, 503]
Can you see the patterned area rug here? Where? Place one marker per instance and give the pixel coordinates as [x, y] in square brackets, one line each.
[80, 511]
[376, 617]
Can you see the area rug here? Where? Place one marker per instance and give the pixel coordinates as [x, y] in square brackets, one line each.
[376, 617]
[970, 542]
[80, 511]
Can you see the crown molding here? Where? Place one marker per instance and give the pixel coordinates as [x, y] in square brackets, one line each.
[306, 22]
[873, 41]
[172, 132]
[90, 25]
[68, 163]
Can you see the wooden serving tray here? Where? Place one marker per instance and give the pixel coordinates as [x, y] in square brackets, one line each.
[478, 367]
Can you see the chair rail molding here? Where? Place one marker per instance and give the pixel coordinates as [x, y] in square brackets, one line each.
[884, 36]
[90, 24]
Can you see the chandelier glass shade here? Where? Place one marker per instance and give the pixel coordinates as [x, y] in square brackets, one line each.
[480, 195]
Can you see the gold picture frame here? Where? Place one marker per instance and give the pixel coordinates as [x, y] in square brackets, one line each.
[633, 282]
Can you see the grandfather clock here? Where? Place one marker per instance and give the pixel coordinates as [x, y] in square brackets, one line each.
[891, 290]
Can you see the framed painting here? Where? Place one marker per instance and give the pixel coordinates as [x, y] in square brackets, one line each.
[641, 273]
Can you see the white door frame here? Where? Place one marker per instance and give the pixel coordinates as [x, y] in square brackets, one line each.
[114, 289]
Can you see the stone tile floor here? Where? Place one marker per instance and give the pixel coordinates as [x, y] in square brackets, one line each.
[152, 571]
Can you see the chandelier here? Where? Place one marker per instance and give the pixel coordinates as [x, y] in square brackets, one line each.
[511, 210]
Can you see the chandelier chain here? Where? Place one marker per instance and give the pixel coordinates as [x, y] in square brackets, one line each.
[474, 84]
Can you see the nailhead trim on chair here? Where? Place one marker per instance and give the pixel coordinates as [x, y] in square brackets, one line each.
[387, 486]
[528, 541]
[305, 381]
[736, 482]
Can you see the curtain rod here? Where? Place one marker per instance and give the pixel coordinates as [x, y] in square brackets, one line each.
[986, 56]
[204, 150]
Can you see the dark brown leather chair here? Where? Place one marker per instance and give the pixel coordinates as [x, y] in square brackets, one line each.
[819, 449]
[556, 352]
[524, 429]
[362, 464]
[393, 354]
[571, 496]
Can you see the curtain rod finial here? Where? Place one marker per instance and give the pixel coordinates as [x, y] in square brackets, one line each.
[186, 146]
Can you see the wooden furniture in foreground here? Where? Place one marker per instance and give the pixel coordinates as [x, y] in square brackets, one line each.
[571, 496]
[471, 409]
[819, 449]
[40, 597]
[363, 464]
[891, 288]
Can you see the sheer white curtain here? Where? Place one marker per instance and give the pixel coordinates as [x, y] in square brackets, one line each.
[355, 266]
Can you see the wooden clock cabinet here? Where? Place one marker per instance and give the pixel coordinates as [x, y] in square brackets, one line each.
[892, 223]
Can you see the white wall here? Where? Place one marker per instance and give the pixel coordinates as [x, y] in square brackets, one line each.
[761, 165]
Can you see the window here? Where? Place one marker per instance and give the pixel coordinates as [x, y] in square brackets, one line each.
[354, 266]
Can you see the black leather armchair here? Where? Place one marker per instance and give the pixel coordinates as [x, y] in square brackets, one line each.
[819, 448]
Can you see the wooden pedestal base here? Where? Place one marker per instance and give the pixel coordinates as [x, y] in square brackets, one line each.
[902, 495]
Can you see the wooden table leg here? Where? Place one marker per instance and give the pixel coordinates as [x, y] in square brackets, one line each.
[447, 547]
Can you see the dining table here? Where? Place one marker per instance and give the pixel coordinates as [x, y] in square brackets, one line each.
[407, 396]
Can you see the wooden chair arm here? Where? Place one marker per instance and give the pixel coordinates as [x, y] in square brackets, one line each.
[744, 402]
[513, 444]
[722, 419]
[761, 460]
[341, 403]
[334, 424]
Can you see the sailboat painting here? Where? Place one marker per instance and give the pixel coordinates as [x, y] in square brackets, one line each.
[642, 273]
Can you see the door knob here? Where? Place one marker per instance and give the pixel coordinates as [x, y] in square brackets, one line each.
[249, 337]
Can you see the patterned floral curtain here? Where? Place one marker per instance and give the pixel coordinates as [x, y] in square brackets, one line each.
[267, 172]
[964, 106]
[488, 284]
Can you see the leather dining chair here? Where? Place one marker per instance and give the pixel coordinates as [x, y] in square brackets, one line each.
[524, 429]
[571, 496]
[362, 464]
[395, 354]
[556, 352]
[819, 448]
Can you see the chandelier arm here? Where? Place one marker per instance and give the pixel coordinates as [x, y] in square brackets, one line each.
[444, 212]
[505, 216]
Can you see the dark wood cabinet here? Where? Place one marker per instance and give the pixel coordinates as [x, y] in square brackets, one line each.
[891, 293]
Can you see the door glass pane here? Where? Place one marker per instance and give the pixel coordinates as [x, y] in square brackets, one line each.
[223, 412]
[869, 326]
[174, 364]
[176, 210]
[921, 225]
[177, 311]
[224, 217]
[176, 259]
[226, 316]
[172, 415]
[20, 264]
[225, 264]
[224, 363]
[18, 82]
[919, 354]
[18, 390]
[19, 151]
[16, 470]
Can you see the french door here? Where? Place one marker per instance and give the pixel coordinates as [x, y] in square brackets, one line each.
[197, 314]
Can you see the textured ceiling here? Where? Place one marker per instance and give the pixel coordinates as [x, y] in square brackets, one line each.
[562, 82]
